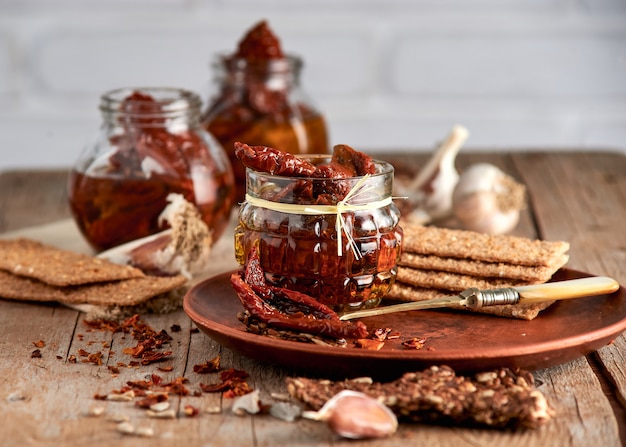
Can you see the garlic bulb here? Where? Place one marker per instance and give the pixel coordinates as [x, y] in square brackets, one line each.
[487, 200]
[431, 190]
[355, 415]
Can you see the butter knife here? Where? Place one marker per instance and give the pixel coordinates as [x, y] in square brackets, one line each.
[474, 298]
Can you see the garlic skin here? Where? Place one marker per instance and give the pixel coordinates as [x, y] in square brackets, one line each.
[487, 200]
[355, 415]
[183, 249]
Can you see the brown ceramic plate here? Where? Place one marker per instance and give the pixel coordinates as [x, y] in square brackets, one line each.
[466, 342]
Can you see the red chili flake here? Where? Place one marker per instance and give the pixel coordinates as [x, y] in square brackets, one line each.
[156, 379]
[100, 396]
[133, 364]
[238, 388]
[194, 330]
[36, 354]
[214, 388]
[113, 369]
[165, 368]
[367, 343]
[175, 328]
[233, 373]
[232, 384]
[140, 384]
[209, 366]
[95, 358]
[39, 344]
[381, 334]
[152, 357]
[177, 387]
[59, 357]
[71, 359]
[147, 402]
[83, 353]
[191, 411]
[414, 343]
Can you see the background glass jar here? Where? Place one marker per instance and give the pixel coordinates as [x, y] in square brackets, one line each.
[299, 251]
[150, 144]
[262, 103]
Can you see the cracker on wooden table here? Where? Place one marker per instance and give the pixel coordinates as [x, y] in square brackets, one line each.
[127, 292]
[434, 279]
[482, 268]
[32, 259]
[505, 248]
[526, 311]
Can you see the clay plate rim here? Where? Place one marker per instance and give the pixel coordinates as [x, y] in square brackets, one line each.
[465, 341]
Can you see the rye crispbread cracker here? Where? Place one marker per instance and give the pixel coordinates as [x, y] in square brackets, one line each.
[482, 268]
[127, 292]
[509, 249]
[434, 279]
[51, 265]
[407, 293]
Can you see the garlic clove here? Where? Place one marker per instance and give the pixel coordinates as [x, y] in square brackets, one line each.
[247, 404]
[487, 200]
[431, 190]
[355, 415]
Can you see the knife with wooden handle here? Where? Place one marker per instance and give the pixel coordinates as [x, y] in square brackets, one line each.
[474, 298]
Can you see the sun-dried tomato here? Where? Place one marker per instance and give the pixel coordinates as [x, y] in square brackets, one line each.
[259, 44]
[287, 309]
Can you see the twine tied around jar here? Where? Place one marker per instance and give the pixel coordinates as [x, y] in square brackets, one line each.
[342, 207]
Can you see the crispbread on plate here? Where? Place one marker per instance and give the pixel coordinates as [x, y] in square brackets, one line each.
[483, 247]
[481, 268]
[51, 265]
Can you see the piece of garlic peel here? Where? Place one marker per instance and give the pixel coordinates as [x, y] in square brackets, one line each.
[487, 200]
[184, 248]
[355, 415]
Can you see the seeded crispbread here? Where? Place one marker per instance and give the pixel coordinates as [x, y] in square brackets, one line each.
[434, 279]
[505, 248]
[482, 268]
[127, 292]
[407, 293]
[51, 265]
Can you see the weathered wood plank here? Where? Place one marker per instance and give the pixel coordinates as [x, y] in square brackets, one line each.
[576, 197]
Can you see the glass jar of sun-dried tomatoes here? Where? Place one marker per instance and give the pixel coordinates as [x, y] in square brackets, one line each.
[301, 246]
[259, 100]
[150, 144]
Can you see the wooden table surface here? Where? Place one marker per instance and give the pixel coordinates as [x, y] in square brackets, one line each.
[574, 196]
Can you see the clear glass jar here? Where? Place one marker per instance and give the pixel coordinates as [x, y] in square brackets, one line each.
[262, 103]
[150, 144]
[300, 251]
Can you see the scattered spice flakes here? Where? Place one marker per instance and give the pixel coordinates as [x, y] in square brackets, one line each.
[368, 343]
[414, 343]
[39, 344]
[95, 358]
[36, 354]
[233, 383]
[191, 411]
[209, 366]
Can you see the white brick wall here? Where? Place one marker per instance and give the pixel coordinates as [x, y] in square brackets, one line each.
[388, 74]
